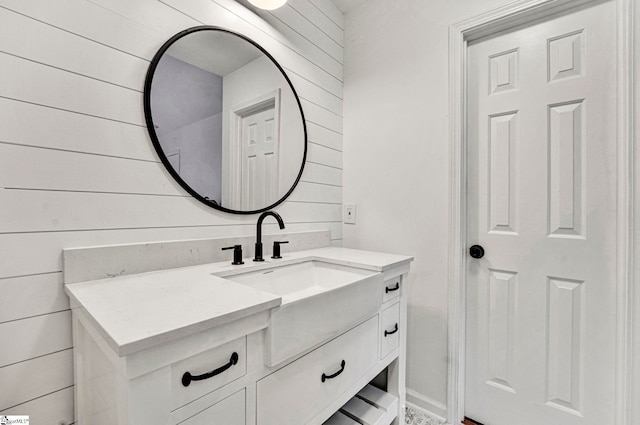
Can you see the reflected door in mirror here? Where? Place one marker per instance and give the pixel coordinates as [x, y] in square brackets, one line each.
[225, 120]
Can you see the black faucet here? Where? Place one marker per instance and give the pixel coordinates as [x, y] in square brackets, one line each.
[258, 250]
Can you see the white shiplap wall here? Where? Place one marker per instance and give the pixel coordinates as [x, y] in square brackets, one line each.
[77, 167]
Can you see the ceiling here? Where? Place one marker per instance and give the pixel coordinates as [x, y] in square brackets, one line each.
[215, 51]
[348, 5]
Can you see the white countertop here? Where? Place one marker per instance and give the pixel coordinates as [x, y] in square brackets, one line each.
[140, 311]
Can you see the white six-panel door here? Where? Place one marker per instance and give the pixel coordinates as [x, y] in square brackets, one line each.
[259, 159]
[541, 307]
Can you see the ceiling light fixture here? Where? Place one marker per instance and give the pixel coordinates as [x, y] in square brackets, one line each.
[268, 4]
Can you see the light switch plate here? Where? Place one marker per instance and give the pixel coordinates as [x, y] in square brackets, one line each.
[350, 213]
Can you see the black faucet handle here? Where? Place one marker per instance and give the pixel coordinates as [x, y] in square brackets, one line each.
[237, 254]
[276, 248]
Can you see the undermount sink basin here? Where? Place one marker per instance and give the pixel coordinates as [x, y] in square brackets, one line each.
[295, 281]
[319, 301]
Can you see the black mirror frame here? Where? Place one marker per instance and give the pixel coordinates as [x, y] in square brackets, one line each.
[156, 141]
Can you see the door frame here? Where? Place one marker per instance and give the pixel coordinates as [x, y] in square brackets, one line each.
[460, 34]
[233, 157]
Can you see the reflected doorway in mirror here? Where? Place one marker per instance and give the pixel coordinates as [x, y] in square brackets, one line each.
[254, 145]
[229, 109]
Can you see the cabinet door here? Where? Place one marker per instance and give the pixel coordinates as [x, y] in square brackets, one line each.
[230, 411]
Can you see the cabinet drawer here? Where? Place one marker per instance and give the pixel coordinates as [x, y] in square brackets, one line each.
[391, 289]
[296, 393]
[389, 329]
[230, 411]
[205, 363]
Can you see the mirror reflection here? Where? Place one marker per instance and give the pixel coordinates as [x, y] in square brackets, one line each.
[225, 120]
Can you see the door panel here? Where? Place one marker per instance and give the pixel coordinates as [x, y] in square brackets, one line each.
[541, 200]
[259, 164]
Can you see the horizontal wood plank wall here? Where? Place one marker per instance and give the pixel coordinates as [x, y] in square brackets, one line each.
[77, 167]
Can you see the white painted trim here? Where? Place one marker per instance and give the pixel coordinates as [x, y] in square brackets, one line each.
[627, 161]
[457, 224]
[513, 14]
[429, 406]
[635, 178]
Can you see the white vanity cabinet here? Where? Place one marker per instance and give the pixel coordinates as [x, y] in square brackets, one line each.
[146, 387]
[229, 381]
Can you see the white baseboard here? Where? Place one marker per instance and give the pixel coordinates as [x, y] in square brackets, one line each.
[431, 408]
[417, 416]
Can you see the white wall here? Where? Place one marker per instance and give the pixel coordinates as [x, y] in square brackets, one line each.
[396, 160]
[77, 167]
[186, 105]
[243, 86]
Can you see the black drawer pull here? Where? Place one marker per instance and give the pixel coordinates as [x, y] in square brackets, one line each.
[187, 377]
[391, 332]
[325, 377]
[395, 288]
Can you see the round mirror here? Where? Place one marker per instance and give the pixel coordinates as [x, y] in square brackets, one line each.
[225, 120]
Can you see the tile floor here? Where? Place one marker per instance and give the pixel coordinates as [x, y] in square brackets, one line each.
[416, 417]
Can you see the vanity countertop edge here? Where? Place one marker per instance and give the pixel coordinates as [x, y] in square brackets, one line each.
[139, 311]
